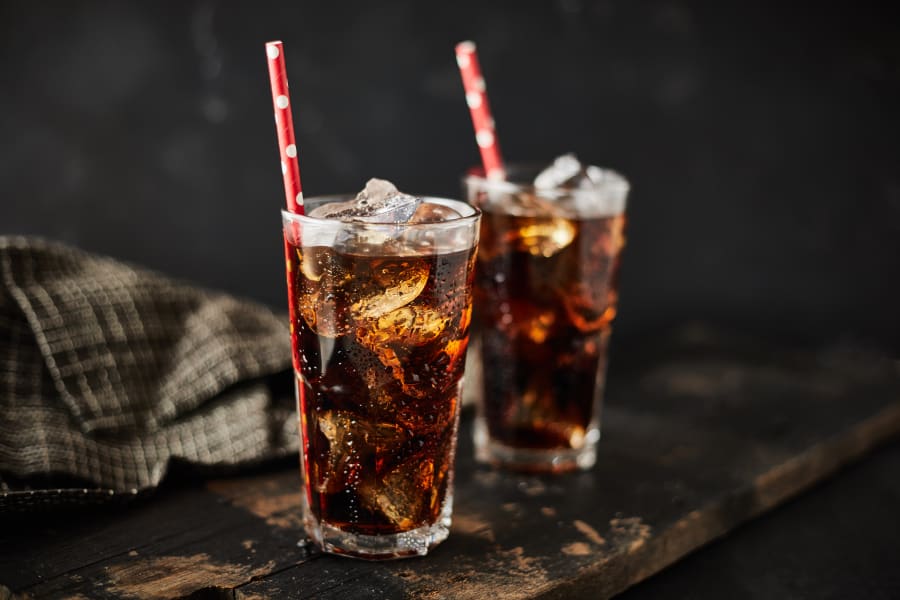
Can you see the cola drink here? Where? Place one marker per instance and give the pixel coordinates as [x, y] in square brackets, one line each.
[381, 315]
[546, 296]
[550, 316]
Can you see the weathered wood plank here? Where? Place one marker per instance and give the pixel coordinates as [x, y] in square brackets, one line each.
[837, 541]
[697, 440]
[173, 546]
[694, 445]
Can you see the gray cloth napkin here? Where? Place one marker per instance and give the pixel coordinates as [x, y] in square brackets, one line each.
[108, 372]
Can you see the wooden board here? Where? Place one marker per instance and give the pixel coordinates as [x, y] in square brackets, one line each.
[701, 433]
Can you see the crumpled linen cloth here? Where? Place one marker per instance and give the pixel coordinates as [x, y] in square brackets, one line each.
[108, 372]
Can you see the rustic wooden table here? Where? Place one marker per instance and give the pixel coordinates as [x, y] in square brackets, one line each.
[701, 434]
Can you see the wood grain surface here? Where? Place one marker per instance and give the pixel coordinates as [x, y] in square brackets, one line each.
[701, 433]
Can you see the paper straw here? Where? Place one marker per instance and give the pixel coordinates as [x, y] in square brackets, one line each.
[290, 170]
[476, 98]
[284, 126]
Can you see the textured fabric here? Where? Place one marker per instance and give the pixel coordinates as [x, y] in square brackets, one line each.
[108, 371]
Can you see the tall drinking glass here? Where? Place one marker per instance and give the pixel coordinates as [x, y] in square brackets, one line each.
[546, 294]
[380, 317]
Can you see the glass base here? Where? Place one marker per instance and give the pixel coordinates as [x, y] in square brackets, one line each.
[416, 542]
[532, 460]
[382, 547]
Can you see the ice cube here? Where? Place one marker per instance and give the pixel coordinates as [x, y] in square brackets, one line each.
[584, 191]
[427, 240]
[379, 202]
[593, 175]
[591, 299]
[322, 314]
[545, 236]
[378, 378]
[568, 172]
[590, 307]
[526, 204]
[397, 283]
[314, 261]
[322, 299]
[406, 495]
[544, 229]
[411, 325]
[351, 440]
[400, 332]
[407, 492]
[431, 212]
[426, 414]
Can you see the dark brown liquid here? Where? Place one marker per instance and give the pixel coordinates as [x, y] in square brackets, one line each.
[546, 295]
[382, 344]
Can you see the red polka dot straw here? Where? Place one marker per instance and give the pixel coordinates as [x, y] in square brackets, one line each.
[476, 98]
[290, 167]
[284, 126]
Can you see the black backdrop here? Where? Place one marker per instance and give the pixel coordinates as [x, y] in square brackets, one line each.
[762, 138]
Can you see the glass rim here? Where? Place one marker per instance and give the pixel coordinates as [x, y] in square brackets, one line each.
[612, 180]
[474, 213]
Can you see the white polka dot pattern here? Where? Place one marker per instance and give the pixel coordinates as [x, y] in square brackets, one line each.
[485, 138]
[476, 98]
[284, 126]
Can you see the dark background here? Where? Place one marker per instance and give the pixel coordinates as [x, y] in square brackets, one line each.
[762, 138]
